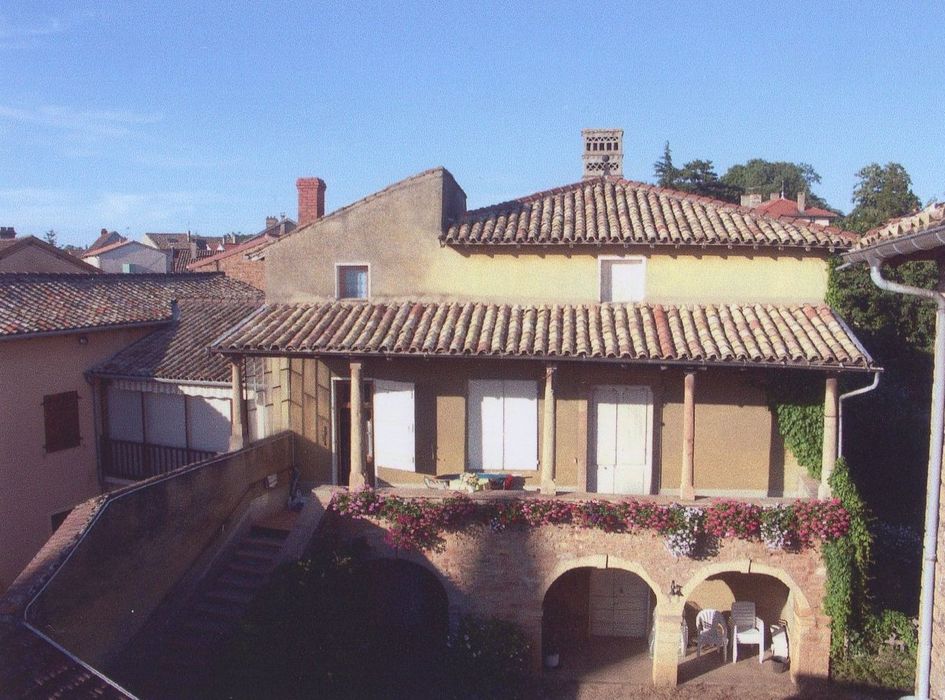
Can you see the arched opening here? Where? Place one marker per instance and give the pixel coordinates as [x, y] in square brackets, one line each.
[403, 611]
[597, 621]
[774, 605]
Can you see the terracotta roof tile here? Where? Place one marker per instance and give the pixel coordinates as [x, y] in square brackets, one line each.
[932, 217]
[178, 351]
[615, 211]
[32, 303]
[764, 334]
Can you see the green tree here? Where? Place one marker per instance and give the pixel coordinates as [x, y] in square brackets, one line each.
[882, 193]
[766, 177]
[699, 177]
[665, 172]
[50, 237]
[898, 331]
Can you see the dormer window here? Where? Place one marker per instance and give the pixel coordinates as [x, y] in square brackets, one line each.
[353, 281]
[622, 279]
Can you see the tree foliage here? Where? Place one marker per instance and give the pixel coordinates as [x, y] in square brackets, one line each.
[50, 237]
[766, 177]
[883, 192]
[697, 177]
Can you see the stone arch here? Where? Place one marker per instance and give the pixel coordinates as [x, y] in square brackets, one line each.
[808, 629]
[453, 598]
[598, 561]
[749, 566]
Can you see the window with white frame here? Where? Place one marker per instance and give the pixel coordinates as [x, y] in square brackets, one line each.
[502, 417]
[622, 279]
[353, 281]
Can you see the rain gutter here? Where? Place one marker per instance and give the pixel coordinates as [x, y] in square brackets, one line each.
[936, 440]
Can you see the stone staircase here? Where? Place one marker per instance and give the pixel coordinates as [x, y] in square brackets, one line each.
[170, 658]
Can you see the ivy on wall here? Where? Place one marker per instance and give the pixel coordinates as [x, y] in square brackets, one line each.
[800, 413]
[847, 559]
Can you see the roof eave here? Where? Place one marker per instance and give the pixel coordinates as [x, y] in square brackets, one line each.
[912, 244]
[700, 364]
[85, 329]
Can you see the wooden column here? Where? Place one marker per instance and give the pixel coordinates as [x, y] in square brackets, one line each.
[830, 438]
[548, 435]
[687, 489]
[237, 405]
[357, 478]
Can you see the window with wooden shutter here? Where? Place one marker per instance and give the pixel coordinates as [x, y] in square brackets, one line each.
[61, 414]
[502, 417]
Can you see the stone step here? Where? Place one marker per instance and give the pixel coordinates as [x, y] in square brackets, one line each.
[250, 567]
[242, 581]
[228, 594]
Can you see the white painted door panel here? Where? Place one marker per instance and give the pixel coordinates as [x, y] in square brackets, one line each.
[619, 604]
[394, 435]
[622, 427]
[520, 424]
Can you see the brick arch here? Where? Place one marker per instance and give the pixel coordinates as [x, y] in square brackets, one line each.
[597, 561]
[747, 566]
[447, 586]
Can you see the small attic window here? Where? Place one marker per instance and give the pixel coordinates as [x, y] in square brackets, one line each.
[353, 281]
[622, 279]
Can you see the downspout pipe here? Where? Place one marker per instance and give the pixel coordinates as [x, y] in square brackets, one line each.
[936, 439]
[849, 395]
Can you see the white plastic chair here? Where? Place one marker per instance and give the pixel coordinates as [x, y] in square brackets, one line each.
[746, 629]
[712, 632]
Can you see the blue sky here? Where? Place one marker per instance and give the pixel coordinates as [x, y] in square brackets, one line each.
[169, 116]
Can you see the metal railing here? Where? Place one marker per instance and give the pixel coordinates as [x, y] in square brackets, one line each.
[123, 459]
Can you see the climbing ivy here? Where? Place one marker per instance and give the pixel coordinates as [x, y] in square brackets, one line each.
[800, 414]
[847, 560]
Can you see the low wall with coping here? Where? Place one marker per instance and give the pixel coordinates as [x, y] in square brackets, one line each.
[116, 558]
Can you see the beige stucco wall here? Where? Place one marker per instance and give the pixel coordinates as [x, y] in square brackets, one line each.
[37, 485]
[737, 449]
[34, 259]
[396, 233]
[144, 258]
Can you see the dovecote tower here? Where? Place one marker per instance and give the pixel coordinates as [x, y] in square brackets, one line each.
[603, 152]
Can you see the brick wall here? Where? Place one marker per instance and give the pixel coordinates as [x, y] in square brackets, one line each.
[507, 574]
[240, 268]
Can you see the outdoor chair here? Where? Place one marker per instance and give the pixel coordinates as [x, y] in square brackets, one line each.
[746, 629]
[712, 632]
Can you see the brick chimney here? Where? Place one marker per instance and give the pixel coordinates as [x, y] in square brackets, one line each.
[801, 201]
[271, 221]
[7, 233]
[751, 200]
[311, 199]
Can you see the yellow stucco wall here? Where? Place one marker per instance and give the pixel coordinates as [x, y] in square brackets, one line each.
[396, 233]
[37, 484]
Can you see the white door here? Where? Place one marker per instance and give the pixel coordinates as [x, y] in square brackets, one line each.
[619, 604]
[621, 423]
[394, 441]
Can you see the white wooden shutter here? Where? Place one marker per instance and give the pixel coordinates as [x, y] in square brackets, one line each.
[394, 435]
[164, 420]
[520, 424]
[209, 423]
[622, 280]
[124, 415]
[484, 407]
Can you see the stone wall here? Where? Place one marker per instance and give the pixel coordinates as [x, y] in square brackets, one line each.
[506, 574]
[126, 555]
[938, 612]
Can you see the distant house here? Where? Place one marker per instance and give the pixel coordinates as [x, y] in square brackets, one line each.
[29, 254]
[54, 327]
[105, 238]
[129, 257]
[779, 206]
[235, 260]
[185, 248]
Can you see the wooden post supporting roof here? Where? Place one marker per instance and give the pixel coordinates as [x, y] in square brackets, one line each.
[686, 484]
[829, 458]
[548, 487]
[357, 479]
[237, 405]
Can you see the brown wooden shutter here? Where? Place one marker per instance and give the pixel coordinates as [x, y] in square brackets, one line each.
[61, 412]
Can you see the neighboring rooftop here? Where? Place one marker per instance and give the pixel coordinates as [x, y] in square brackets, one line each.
[39, 304]
[10, 246]
[914, 234]
[106, 238]
[615, 211]
[808, 336]
[179, 241]
[178, 350]
[783, 207]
